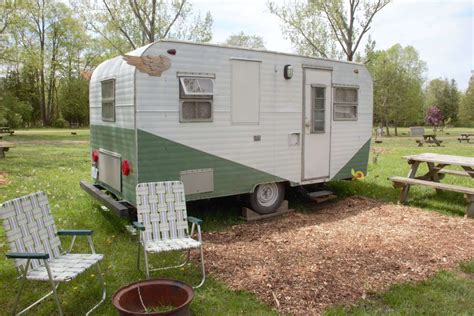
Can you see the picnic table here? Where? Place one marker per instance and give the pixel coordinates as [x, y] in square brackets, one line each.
[436, 171]
[6, 130]
[465, 137]
[4, 147]
[429, 139]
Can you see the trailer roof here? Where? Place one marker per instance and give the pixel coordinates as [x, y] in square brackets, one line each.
[143, 50]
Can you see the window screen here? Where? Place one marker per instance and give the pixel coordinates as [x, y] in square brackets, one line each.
[345, 104]
[108, 100]
[319, 101]
[196, 86]
[196, 95]
[196, 111]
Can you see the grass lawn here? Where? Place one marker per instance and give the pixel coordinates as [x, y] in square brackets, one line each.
[58, 168]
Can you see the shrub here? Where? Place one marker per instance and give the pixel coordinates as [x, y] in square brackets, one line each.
[60, 123]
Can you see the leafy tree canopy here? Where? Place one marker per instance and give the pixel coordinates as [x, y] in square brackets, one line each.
[243, 40]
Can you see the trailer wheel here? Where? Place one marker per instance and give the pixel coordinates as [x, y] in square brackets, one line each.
[267, 197]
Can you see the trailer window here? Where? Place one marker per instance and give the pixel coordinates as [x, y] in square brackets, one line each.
[196, 95]
[192, 87]
[319, 111]
[108, 100]
[345, 104]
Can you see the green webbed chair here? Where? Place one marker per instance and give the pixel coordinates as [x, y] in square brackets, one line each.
[36, 248]
[163, 223]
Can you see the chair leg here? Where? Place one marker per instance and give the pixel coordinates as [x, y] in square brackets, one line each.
[17, 299]
[138, 255]
[53, 286]
[147, 269]
[104, 293]
[202, 268]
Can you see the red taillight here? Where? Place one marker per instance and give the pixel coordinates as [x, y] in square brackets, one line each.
[125, 168]
[95, 156]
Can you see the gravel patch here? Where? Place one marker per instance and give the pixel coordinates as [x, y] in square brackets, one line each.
[304, 263]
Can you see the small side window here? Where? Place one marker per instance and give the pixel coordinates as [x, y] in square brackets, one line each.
[345, 104]
[196, 96]
[108, 100]
[319, 115]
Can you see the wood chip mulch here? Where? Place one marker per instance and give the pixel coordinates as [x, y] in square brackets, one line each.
[304, 263]
[3, 178]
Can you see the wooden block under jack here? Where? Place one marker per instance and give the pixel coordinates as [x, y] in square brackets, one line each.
[250, 215]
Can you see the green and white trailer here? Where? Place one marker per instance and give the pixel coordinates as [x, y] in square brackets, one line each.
[226, 121]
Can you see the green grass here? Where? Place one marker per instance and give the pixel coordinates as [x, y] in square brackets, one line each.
[39, 134]
[57, 169]
[390, 163]
[447, 293]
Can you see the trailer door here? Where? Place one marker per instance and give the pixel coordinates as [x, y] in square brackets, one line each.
[317, 96]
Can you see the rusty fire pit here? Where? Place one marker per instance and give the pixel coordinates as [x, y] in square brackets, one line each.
[154, 297]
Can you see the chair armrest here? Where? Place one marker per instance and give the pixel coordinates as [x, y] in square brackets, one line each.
[75, 232]
[27, 255]
[138, 226]
[194, 220]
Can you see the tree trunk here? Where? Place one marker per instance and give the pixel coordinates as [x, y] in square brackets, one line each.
[396, 130]
[387, 129]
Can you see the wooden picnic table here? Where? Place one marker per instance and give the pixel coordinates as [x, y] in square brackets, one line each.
[429, 139]
[465, 137]
[436, 171]
[4, 147]
[6, 130]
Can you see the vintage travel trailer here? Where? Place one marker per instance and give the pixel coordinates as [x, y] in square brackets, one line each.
[225, 121]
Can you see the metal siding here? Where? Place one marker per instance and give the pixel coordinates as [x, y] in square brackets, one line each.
[119, 140]
[280, 108]
[157, 106]
[164, 160]
[348, 137]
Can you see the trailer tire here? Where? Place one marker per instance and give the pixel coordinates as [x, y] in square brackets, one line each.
[267, 197]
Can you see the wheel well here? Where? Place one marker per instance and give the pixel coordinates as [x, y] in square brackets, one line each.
[285, 183]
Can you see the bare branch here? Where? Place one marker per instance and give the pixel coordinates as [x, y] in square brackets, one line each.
[365, 28]
[178, 13]
[112, 16]
[136, 11]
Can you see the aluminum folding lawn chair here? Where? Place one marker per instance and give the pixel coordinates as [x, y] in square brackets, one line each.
[36, 248]
[163, 223]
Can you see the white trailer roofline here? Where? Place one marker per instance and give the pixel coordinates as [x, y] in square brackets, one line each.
[250, 49]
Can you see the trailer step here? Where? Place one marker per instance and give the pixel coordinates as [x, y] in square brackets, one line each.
[121, 208]
[322, 196]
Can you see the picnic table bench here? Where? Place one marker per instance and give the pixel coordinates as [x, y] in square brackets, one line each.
[6, 130]
[465, 138]
[429, 139]
[436, 164]
[4, 147]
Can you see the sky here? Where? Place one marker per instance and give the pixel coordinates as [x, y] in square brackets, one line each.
[440, 30]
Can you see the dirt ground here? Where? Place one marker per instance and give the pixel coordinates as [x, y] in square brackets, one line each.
[303, 263]
[3, 178]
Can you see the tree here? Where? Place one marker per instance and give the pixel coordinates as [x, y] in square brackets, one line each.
[445, 95]
[466, 107]
[242, 40]
[434, 117]
[327, 28]
[398, 76]
[48, 43]
[128, 24]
